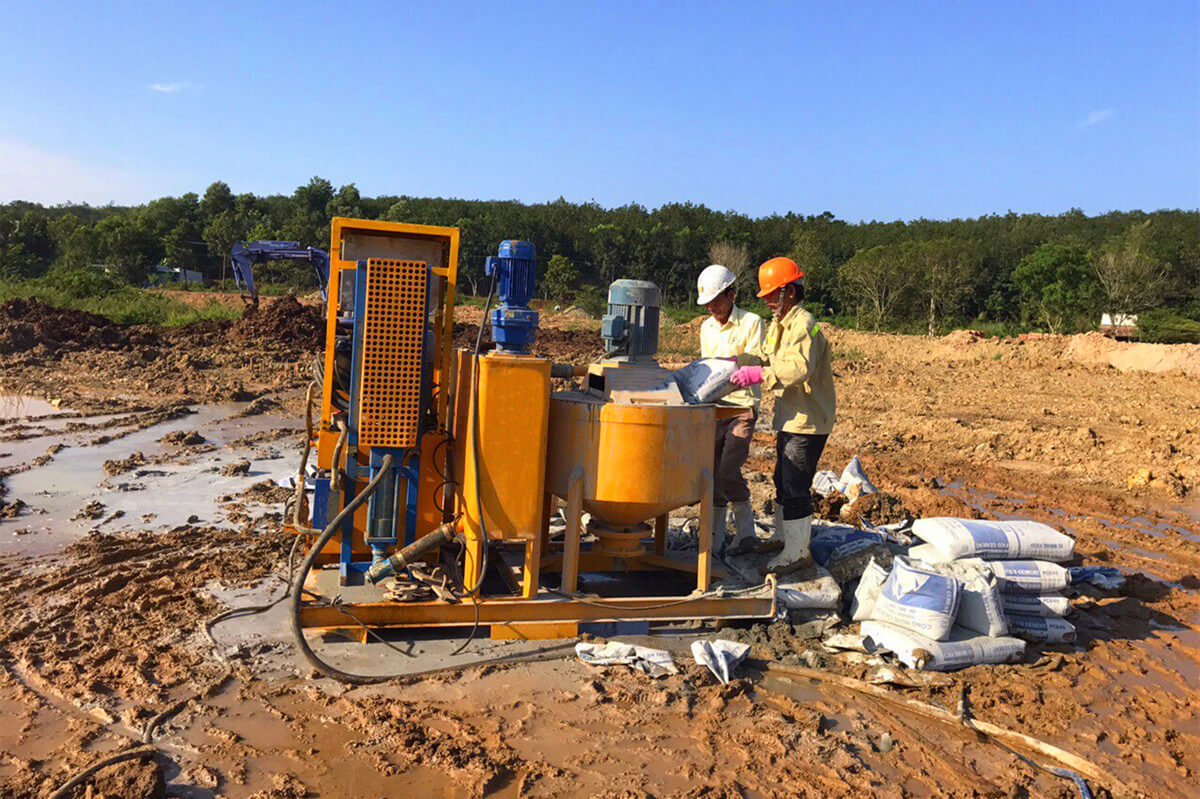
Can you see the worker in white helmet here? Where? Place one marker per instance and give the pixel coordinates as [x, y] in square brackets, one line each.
[730, 331]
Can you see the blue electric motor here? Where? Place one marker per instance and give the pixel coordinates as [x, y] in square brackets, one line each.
[514, 323]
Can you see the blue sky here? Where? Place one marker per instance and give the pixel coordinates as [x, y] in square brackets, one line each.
[868, 110]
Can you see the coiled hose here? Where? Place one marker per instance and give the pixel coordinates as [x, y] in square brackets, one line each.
[297, 591]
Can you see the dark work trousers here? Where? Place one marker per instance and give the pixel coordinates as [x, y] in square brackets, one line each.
[733, 447]
[796, 456]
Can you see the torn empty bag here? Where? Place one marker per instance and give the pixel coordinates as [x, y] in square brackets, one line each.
[721, 657]
[653, 662]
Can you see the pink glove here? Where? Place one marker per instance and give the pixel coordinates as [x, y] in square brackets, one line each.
[747, 376]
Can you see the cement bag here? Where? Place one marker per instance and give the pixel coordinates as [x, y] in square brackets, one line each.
[963, 648]
[1035, 604]
[1105, 577]
[1029, 576]
[854, 480]
[705, 380]
[966, 538]
[820, 593]
[845, 550]
[1048, 629]
[926, 553]
[825, 483]
[979, 609]
[869, 586]
[919, 600]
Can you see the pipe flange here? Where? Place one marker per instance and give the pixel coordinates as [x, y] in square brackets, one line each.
[619, 541]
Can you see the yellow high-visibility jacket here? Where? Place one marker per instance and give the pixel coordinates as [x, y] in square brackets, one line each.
[741, 332]
[798, 370]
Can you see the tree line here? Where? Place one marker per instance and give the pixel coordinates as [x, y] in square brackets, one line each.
[1051, 272]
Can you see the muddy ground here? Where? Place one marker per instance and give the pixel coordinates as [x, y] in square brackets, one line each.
[129, 518]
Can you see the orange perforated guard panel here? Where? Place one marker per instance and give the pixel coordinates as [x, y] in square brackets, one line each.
[393, 329]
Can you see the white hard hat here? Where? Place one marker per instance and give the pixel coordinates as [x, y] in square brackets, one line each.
[712, 281]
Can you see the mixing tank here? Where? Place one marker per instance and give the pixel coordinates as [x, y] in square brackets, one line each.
[637, 461]
[631, 455]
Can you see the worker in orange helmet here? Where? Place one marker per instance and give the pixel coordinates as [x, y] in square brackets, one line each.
[794, 363]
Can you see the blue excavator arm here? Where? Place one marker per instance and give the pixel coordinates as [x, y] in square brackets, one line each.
[247, 253]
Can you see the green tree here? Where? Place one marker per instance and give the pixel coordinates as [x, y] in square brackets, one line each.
[610, 245]
[820, 276]
[1132, 278]
[1056, 287]
[21, 239]
[945, 267]
[218, 199]
[347, 202]
[220, 234]
[74, 242]
[878, 280]
[309, 222]
[125, 245]
[560, 280]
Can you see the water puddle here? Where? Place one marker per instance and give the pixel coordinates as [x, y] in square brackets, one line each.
[1157, 529]
[20, 406]
[149, 497]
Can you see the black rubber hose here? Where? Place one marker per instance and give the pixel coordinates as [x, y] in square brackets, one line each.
[297, 591]
[399, 561]
[474, 591]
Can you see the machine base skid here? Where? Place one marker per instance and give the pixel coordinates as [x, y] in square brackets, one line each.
[546, 616]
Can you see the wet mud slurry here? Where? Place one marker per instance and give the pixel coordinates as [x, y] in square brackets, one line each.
[109, 576]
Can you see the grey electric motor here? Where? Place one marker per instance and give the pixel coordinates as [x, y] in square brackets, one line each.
[631, 324]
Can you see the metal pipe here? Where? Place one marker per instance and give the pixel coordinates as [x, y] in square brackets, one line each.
[443, 535]
[568, 370]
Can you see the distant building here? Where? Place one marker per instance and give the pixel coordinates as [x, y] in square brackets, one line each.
[164, 275]
[1119, 325]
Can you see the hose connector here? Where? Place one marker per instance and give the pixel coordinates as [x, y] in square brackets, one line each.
[383, 569]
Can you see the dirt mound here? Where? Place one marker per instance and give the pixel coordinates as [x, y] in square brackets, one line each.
[285, 321]
[962, 338]
[572, 346]
[26, 323]
[574, 312]
[1099, 350]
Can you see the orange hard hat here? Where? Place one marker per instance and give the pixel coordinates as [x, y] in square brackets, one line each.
[776, 273]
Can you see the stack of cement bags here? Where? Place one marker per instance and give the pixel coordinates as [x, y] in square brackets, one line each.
[912, 611]
[1023, 557]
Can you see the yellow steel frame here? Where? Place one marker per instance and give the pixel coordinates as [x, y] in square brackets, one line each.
[533, 611]
[343, 228]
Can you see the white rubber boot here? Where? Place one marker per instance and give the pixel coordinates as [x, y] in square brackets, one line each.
[720, 530]
[744, 537]
[796, 534]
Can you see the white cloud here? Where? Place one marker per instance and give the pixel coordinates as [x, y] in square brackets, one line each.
[171, 88]
[30, 173]
[1096, 117]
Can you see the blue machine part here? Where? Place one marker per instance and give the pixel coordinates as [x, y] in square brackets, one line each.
[514, 323]
[381, 534]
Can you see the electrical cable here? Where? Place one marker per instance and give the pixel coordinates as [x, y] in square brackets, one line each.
[473, 592]
[335, 482]
[251, 610]
[475, 445]
[298, 496]
[462, 553]
[695, 597]
[964, 715]
[297, 592]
